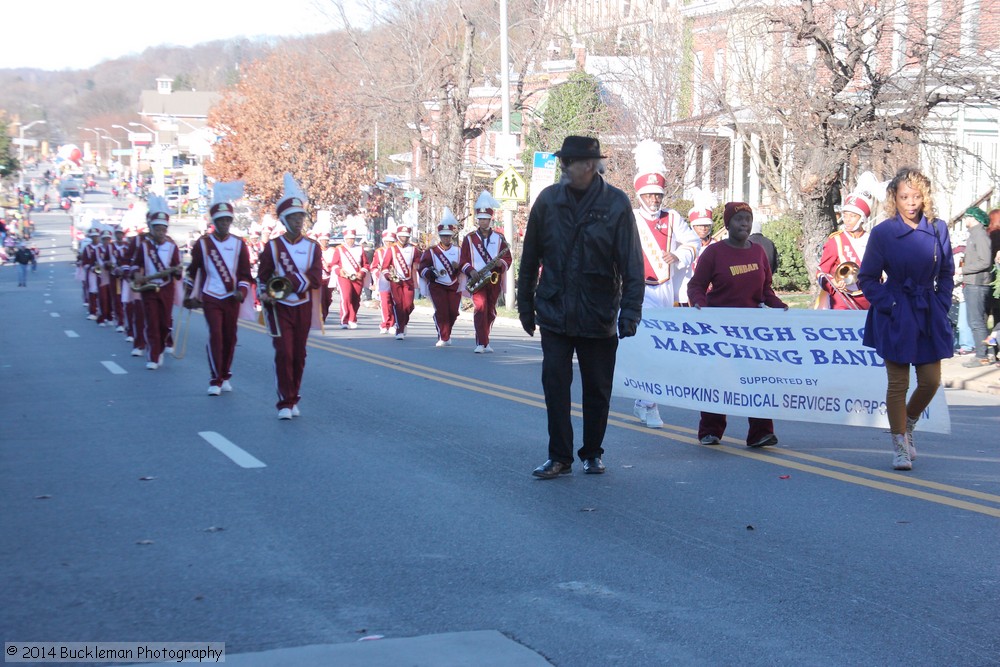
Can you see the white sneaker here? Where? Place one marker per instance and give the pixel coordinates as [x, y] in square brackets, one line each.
[640, 410]
[214, 391]
[488, 349]
[400, 336]
[120, 329]
[151, 365]
[136, 352]
[284, 413]
[479, 349]
[129, 339]
[901, 457]
[102, 324]
[383, 330]
[168, 350]
[352, 325]
[911, 449]
[653, 417]
[295, 411]
[440, 343]
[91, 317]
[226, 386]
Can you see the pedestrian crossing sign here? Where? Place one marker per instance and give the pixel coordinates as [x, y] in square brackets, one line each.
[510, 186]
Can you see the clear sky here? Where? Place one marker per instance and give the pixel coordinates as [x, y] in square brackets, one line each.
[78, 34]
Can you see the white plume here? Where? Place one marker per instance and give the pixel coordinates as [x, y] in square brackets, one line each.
[703, 199]
[649, 158]
[868, 182]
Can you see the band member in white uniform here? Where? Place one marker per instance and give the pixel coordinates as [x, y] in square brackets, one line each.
[439, 269]
[668, 245]
[218, 281]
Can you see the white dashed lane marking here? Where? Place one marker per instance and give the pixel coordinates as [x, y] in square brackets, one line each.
[54, 314]
[114, 368]
[235, 454]
[71, 334]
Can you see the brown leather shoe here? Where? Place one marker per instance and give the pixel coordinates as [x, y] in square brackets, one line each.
[552, 469]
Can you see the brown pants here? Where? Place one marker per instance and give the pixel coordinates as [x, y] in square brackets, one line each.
[928, 381]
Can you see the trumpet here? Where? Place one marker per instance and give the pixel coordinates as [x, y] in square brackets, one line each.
[97, 270]
[845, 278]
[350, 276]
[393, 276]
[279, 287]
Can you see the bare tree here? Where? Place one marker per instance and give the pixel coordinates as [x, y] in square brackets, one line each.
[830, 88]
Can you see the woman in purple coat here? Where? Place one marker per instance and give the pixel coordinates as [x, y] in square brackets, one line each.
[908, 319]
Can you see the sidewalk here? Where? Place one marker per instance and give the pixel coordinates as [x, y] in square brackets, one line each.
[985, 380]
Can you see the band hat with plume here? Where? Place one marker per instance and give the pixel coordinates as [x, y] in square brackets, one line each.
[449, 223]
[701, 210]
[486, 205]
[321, 229]
[159, 211]
[293, 200]
[862, 200]
[650, 170]
[223, 196]
[351, 233]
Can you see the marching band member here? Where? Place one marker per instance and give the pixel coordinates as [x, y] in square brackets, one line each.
[105, 260]
[844, 249]
[218, 281]
[118, 258]
[350, 266]
[288, 308]
[88, 260]
[328, 282]
[134, 315]
[439, 268]
[485, 251]
[156, 262]
[399, 267]
[384, 292]
[669, 246]
[700, 220]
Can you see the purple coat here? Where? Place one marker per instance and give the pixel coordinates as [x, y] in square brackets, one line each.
[908, 319]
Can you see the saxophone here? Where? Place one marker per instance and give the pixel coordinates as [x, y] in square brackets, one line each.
[488, 274]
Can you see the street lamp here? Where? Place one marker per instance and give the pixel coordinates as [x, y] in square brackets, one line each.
[102, 136]
[131, 158]
[20, 150]
[98, 135]
[158, 174]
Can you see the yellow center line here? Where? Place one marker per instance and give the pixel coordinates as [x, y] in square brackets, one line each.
[684, 435]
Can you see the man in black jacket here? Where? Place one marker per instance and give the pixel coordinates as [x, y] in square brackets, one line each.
[582, 236]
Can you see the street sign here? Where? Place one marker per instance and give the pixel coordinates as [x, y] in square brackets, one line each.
[509, 185]
[509, 205]
[30, 143]
[413, 194]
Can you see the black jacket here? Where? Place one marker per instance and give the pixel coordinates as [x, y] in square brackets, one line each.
[590, 259]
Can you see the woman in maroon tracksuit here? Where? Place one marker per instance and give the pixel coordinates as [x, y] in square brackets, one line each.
[740, 277]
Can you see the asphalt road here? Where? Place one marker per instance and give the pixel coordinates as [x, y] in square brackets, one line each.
[401, 504]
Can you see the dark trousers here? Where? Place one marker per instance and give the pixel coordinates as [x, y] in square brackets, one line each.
[290, 351]
[596, 357]
[715, 424]
[446, 302]
[402, 303]
[326, 299]
[975, 310]
[221, 315]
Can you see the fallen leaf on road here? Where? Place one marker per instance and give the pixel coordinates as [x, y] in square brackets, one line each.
[45, 497]
[588, 509]
[750, 528]
[146, 479]
[784, 476]
[214, 529]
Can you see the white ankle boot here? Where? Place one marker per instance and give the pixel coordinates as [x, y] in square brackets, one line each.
[911, 449]
[901, 455]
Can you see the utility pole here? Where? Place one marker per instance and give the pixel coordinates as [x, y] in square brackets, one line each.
[508, 215]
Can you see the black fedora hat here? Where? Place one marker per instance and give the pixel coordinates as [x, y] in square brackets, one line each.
[580, 148]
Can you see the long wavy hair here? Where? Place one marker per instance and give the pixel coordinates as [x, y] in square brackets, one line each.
[916, 180]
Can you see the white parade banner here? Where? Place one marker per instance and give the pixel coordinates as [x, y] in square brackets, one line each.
[798, 365]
